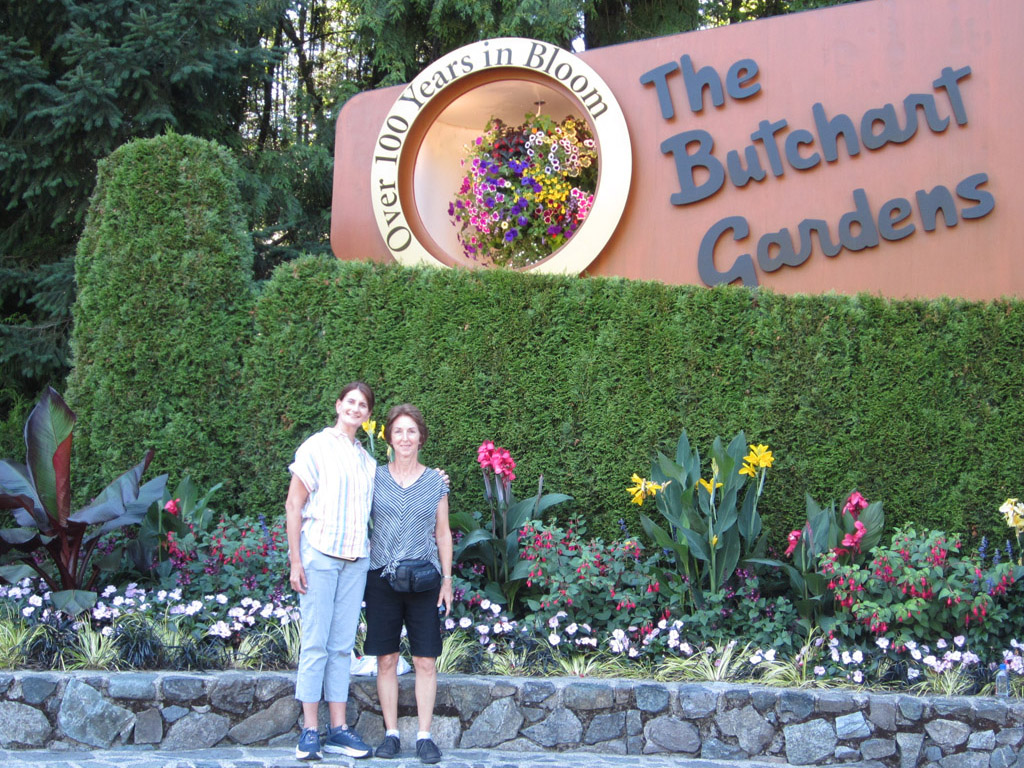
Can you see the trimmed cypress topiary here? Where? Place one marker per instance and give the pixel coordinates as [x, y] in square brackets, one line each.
[162, 317]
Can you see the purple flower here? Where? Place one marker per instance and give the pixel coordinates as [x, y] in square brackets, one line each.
[554, 229]
[511, 235]
[523, 221]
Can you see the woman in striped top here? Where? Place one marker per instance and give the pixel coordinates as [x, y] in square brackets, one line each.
[410, 522]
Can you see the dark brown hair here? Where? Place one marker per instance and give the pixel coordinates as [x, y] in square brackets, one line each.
[364, 388]
[406, 409]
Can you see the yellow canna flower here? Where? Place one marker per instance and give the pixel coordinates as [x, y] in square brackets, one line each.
[707, 484]
[641, 489]
[714, 541]
[748, 469]
[759, 456]
[381, 433]
[369, 427]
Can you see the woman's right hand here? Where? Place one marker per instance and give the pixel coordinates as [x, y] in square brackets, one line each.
[298, 578]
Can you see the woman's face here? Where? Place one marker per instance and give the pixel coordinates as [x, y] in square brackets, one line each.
[353, 409]
[405, 436]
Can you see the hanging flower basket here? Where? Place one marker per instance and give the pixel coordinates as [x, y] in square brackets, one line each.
[526, 191]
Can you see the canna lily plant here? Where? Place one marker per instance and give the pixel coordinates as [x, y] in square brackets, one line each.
[51, 540]
[713, 524]
[496, 545]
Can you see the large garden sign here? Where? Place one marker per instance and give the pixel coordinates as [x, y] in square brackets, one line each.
[867, 147]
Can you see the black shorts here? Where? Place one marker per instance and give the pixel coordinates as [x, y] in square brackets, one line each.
[387, 611]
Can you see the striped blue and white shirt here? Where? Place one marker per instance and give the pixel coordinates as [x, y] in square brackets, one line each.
[338, 473]
[405, 519]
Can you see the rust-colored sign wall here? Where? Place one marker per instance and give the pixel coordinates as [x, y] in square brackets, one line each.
[868, 147]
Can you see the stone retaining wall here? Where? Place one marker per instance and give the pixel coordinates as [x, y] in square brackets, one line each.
[169, 710]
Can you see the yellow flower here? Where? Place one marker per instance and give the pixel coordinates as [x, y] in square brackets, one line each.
[759, 456]
[748, 469]
[707, 484]
[369, 427]
[714, 541]
[1013, 511]
[381, 434]
[641, 489]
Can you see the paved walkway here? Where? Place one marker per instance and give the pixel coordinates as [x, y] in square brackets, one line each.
[280, 757]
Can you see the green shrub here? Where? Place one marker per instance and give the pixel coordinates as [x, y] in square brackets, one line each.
[163, 311]
[914, 402]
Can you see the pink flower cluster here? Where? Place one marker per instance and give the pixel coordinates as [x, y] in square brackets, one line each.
[855, 504]
[497, 460]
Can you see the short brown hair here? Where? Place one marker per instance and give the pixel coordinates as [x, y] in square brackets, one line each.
[406, 409]
[364, 388]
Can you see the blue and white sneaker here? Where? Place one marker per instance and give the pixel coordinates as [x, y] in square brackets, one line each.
[309, 746]
[345, 741]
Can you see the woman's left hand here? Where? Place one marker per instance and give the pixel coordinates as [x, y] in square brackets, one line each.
[445, 598]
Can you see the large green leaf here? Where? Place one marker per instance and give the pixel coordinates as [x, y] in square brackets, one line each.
[115, 499]
[874, 521]
[728, 556]
[48, 453]
[74, 601]
[15, 480]
[698, 544]
[15, 573]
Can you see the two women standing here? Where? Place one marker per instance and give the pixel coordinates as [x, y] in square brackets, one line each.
[335, 485]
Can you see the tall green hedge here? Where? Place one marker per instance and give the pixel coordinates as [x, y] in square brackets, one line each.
[162, 317]
[916, 403]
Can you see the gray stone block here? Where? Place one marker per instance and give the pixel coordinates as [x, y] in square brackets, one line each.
[196, 731]
[233, 693]
[839, 702]
[983, 741]
[795, 706]
[536, 692]
[1003, 757]
[605, 727]
[149, 727]
[86, 716]
[735, 697]
[716, 749]
[669, 734]
[278, 718]
[1011, 736]
[809, 742]
[965, 760]
[953, 707]
[183, 690]
[876, 749]
[991, 710]
[471, 698]
[587, 696]
[605, 748]
[948, 734]
[499, 722]
[882, 712]
[133, 686]
[270, 687]
[173, 713]
[35, 689]
[910, 708]
[6, 681]
[764, 701]
[697, 701]
[651, 698]
[852, 726]
[22, 725]
[560, 729]
[910, 748]
[533, 714]
[634, 723]
[846, 754]
[749, 727]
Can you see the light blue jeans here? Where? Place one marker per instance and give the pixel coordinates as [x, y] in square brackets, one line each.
[330, 616]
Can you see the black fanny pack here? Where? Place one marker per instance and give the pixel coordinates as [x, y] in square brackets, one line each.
[415, 576]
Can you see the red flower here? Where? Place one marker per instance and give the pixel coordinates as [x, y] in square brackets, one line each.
[794, 539]
[172, 506]
[855, 504]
